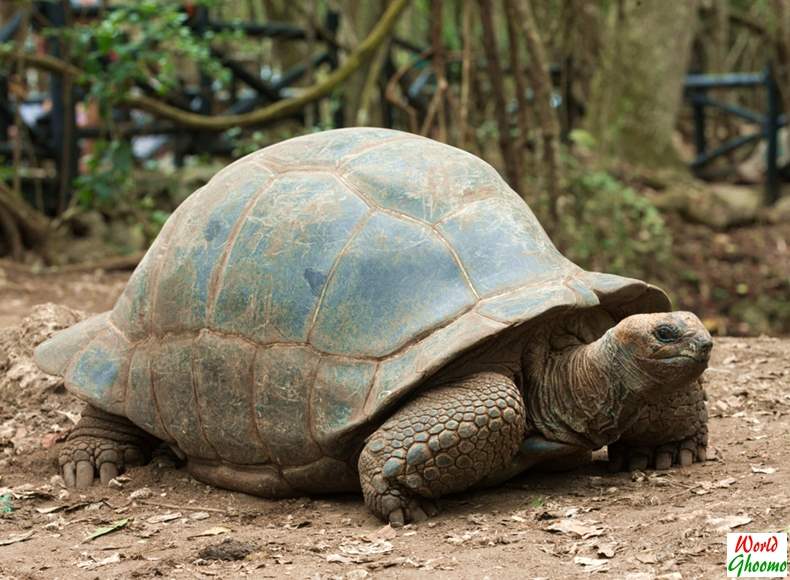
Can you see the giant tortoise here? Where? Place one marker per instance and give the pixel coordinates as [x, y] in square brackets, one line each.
[369, 309]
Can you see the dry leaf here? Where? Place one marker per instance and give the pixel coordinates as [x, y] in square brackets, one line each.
[162, 518]
[763, 469]
[606, 550]
[384, 533]
[591, 564]
[725, 482]
[581, 529]
[50, 509]
[727, 523]
[647, 558]
[17, 538]
[215, 531]
[366, 548]
[113, 527]
[199, 516]
[91, 564]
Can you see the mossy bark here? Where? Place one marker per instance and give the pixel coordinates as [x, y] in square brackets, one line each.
[638, 88]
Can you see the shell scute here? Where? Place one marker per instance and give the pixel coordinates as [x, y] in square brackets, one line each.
[223, 371]
[281, 258]
[422, 178]
[337, 405]
[197, 247]
[502, 245]
[173, 378]
[395, 281]
[324, 149]
[283, 378]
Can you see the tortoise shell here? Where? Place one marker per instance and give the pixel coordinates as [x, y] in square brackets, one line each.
[307, 288]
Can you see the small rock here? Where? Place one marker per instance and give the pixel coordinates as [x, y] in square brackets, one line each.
[142, 493]
[228, 550]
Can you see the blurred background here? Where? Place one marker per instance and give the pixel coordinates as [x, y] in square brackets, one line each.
[647, 136]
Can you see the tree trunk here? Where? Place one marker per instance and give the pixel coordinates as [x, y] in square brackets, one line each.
[496, 77]
[547, 118]
[638, 88]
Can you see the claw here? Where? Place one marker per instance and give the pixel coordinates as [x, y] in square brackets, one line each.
[396, 518]
[68, 474]
[84, 474]
[663, 460]
[108, 471]
[685, 457]
[430, 508]
[638, 463]
[702, 454]
[418, 515]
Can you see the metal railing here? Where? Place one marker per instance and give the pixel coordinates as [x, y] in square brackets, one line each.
[767, 124]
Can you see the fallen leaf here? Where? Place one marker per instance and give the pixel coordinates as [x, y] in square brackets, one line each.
[199, 516]
[607, 550]
[763, 469]
[366, 548]
[725, 482]
[215, 531]
[579, 528]
[91, 564]
[592, 564]
[50, 509]
[384, 533]
[113, 527]
[162, 518]
[727, 523]
[647, 558]
[17, 538]
[457, 540]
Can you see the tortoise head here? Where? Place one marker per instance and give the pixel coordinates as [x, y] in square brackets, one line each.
[668, 347]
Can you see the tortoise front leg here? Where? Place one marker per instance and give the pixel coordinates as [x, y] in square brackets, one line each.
[444, 441]
[101, 446]
[672, 429]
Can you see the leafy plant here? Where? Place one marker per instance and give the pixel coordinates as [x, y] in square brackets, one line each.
[607, 226]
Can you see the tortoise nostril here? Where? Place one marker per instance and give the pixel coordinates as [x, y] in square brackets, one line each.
[704, 346]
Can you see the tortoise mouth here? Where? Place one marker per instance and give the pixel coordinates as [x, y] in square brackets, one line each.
[701, 359]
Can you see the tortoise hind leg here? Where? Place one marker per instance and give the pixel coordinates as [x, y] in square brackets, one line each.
[444, 441]
[101, 446]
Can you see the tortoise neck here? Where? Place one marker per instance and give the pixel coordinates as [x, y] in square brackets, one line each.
[585, 394]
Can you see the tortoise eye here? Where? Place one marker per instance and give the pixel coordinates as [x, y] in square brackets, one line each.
[666, 333]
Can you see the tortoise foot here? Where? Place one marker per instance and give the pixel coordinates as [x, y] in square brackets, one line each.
[446, 440]
[625, 457]
[398, 506]
[101, 447]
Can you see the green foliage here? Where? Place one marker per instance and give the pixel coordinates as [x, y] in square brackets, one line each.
[607, 226]
[140, 42]
[108, 176]
[137, 43]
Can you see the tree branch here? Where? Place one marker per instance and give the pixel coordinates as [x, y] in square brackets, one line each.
[278, 110]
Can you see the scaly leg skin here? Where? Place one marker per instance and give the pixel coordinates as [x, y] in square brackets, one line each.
[444, 441]
[671, 430]
[101, 446]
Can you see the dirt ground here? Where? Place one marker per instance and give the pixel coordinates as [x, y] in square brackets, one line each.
[158, 522]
